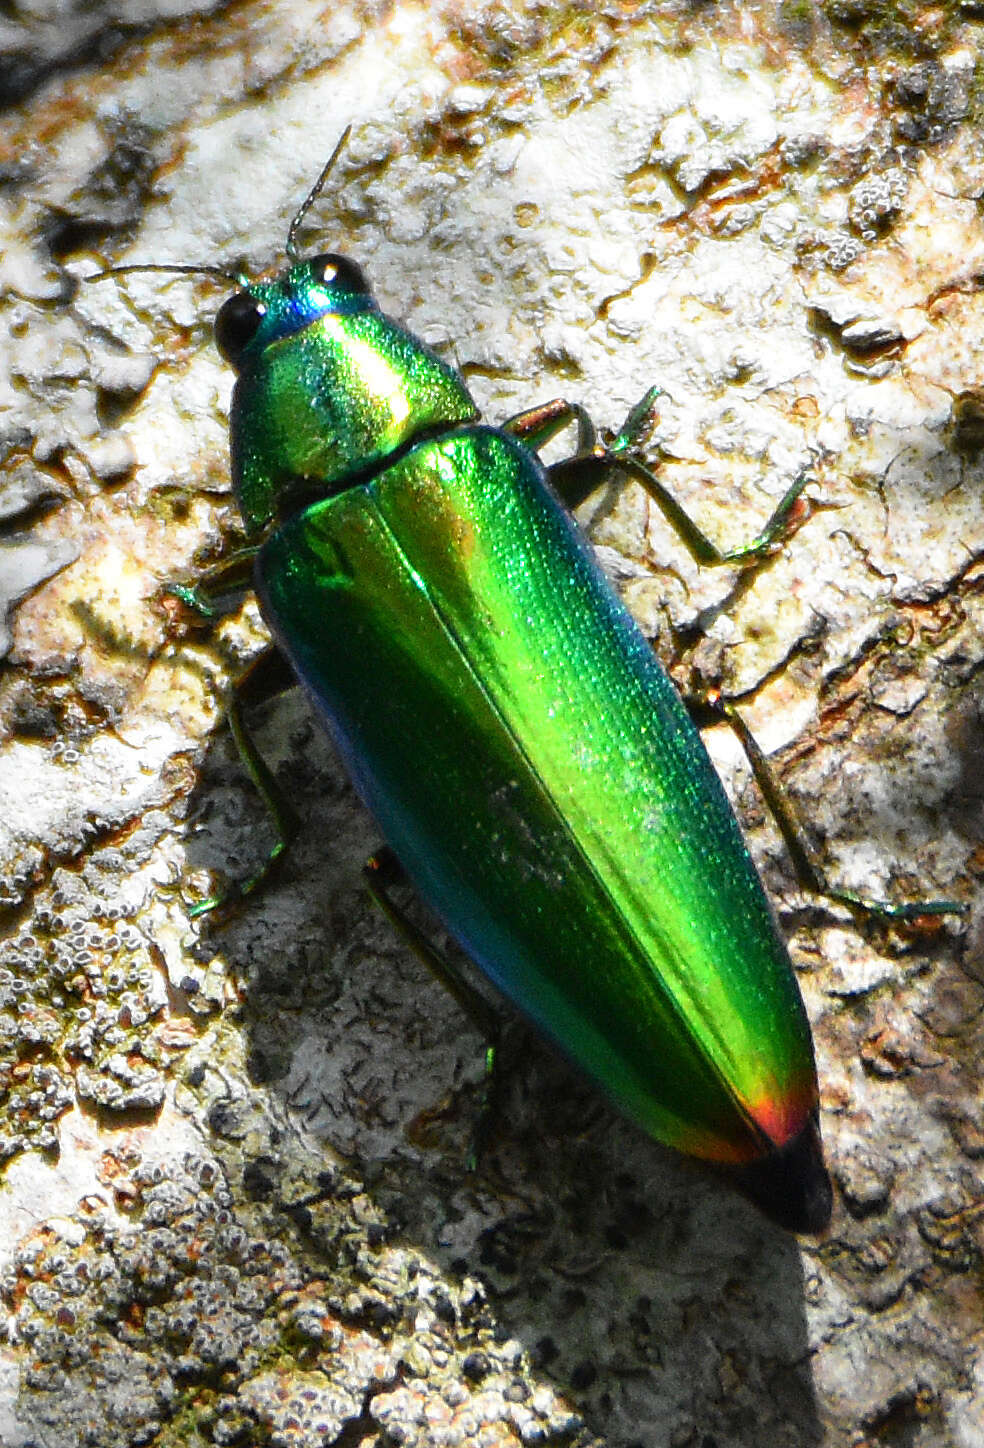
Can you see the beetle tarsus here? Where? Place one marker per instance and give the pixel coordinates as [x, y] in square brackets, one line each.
[809, 871]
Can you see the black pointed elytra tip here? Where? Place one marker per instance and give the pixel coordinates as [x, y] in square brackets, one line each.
[792, 1186]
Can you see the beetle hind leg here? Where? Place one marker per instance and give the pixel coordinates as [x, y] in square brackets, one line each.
[381, 872]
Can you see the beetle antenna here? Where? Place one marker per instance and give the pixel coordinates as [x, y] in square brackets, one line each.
[291, 245]
[150, 266]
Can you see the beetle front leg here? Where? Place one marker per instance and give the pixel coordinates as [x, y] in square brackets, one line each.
[809, 872]
[230, 576]
[791, 513]
[575, 477]
[539, 425]
[381, 872]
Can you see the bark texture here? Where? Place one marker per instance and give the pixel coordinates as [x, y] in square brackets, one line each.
[234, 1205]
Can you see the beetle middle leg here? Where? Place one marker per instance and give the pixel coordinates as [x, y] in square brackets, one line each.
[805, 860]
[381, 872]
[283, 816]
[217, 592]
[575, 477]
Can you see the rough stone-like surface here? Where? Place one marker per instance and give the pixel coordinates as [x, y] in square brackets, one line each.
[234, 1207]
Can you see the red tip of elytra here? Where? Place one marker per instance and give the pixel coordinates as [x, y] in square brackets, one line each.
[791, 1185]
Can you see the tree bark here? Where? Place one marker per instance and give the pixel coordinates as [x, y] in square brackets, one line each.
[235, 1205]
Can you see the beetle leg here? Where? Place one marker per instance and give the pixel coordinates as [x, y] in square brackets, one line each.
[282, 813]
[539, 425]
[575, 477]
[218, 592]
[381, 872]
[229, 578]
[809, 871]
[791, 513]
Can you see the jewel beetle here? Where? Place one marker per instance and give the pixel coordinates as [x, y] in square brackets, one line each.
[526, 757]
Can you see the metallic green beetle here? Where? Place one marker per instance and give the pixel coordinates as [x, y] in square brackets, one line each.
[505, 721]
[527, 758]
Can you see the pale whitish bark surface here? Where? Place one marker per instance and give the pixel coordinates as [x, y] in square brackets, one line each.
[234, 1206]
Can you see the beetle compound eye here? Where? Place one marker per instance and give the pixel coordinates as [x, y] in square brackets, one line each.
[236, 325]
[332, 270]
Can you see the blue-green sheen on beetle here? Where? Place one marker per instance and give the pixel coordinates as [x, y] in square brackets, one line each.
[500, 713]
[502, 716]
